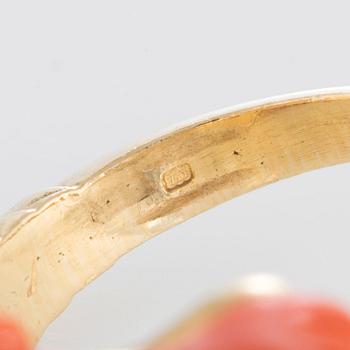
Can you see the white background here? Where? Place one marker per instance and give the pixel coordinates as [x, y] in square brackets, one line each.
[81, 79]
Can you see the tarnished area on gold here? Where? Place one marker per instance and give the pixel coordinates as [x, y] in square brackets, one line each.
[53, 245]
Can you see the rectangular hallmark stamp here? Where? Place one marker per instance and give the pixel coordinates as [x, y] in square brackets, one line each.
[176, 177]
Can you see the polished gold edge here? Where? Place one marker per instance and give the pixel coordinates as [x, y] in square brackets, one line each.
[57, 243]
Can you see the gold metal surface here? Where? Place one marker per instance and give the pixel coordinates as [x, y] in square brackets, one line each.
[54, 245]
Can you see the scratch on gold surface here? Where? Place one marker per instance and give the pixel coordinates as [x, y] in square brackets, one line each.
[33, 280]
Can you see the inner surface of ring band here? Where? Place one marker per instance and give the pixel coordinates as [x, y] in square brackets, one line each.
[54, 246]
